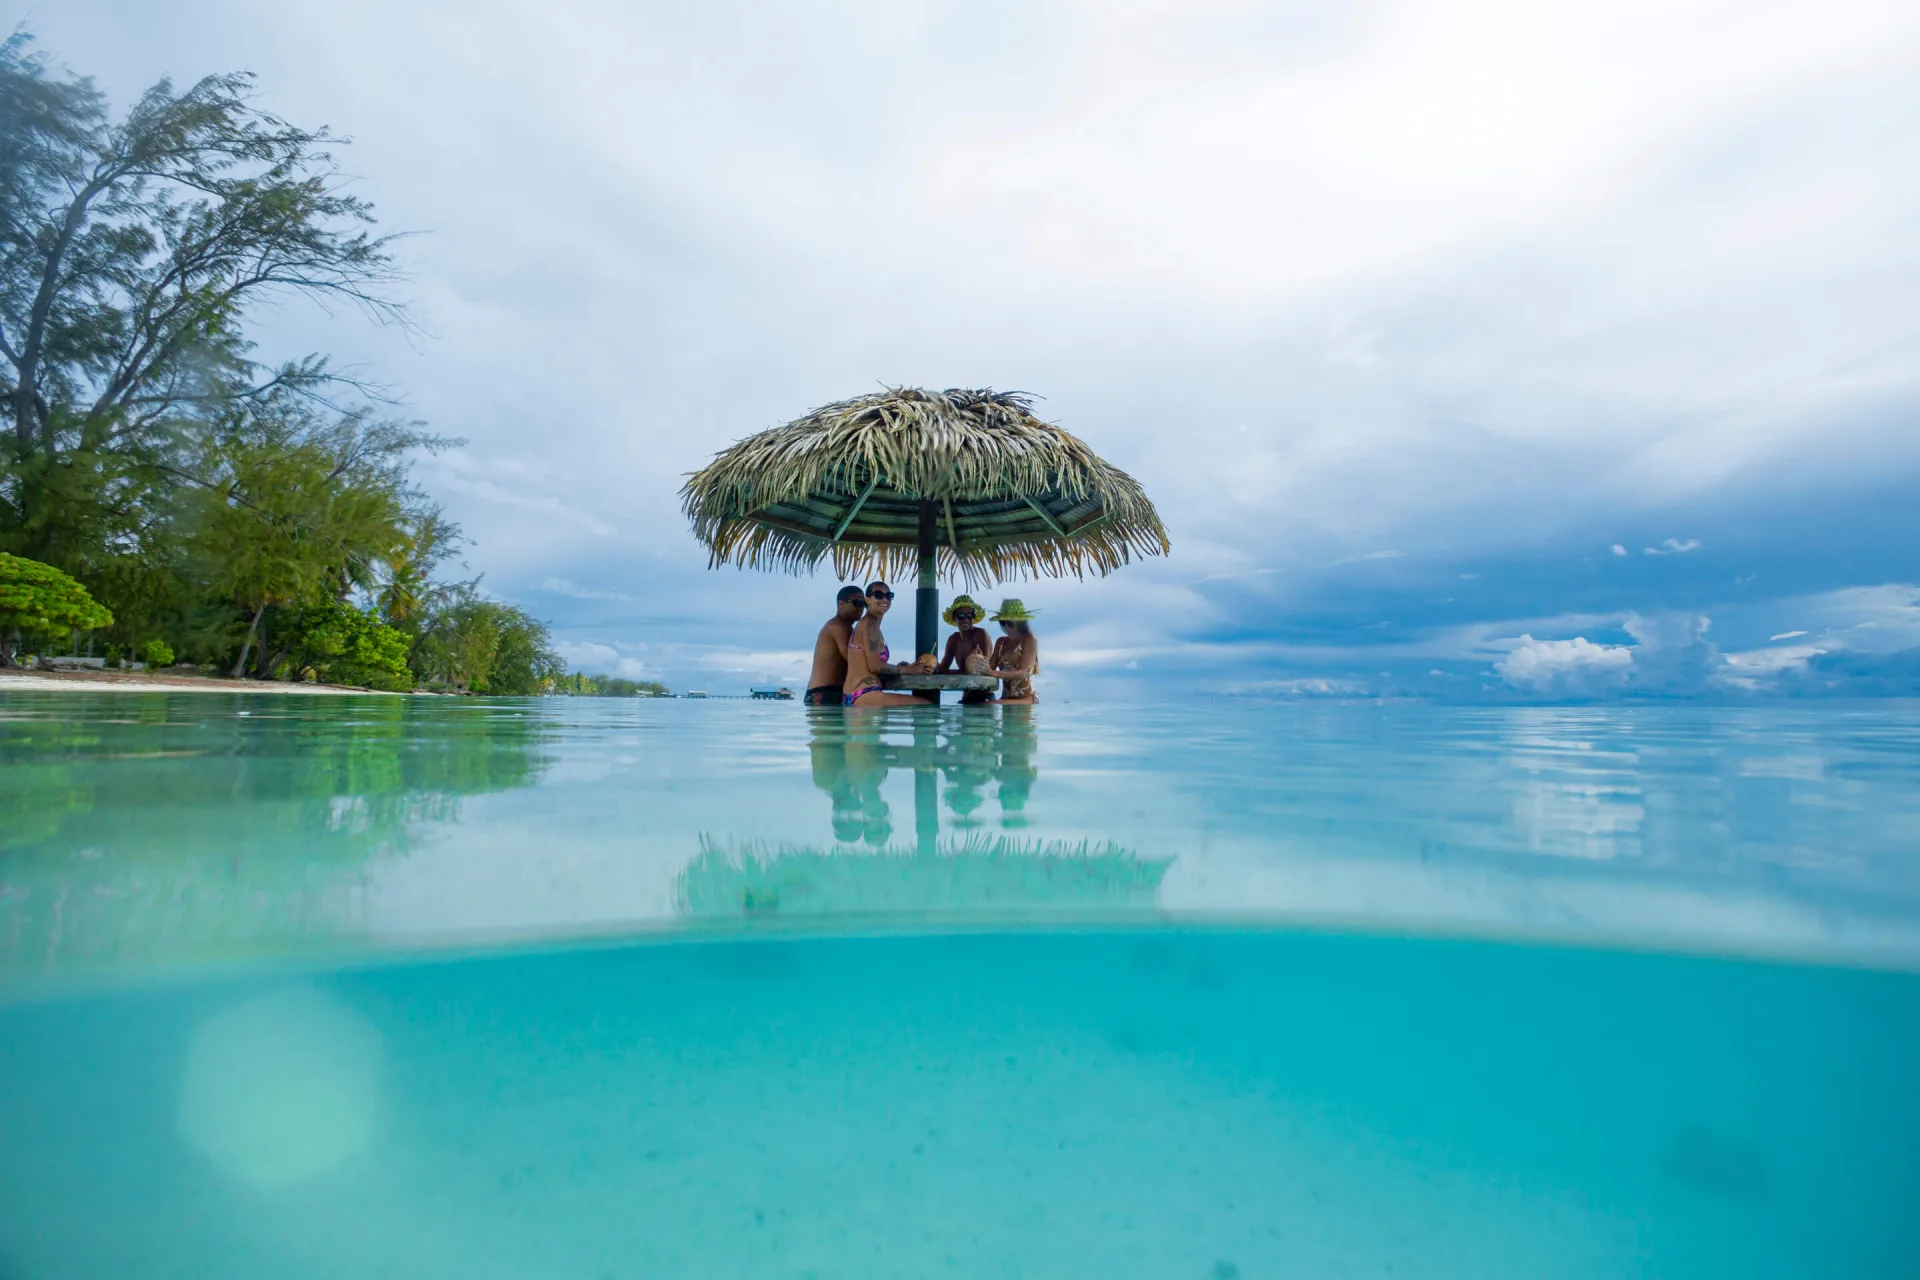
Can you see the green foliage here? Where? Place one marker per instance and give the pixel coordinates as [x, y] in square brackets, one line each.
[579, 684]
[158, 654]
[483, 646]
[131, 251]
[293, 506]
[38, 599]
[340, 644]
[142, 448]
[409, 595]
[230, 511]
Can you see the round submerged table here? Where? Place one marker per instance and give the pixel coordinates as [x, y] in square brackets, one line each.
[931, 687]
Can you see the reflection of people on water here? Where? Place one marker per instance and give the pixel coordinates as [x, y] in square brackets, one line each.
[968, 760]
[829, 753]
[849, 764]
[967, 648]
[852, 758]
[1016, 654]
[830, 649]
[868, 759]
[1016, 773]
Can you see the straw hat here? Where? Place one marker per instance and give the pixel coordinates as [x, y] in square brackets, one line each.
[963, 602]
[1011, 610]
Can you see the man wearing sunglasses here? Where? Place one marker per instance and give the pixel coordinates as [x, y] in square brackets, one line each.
[868, 658]
[830, 649]
[968, 649]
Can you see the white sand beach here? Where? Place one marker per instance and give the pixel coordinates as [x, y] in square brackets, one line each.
[168, 682]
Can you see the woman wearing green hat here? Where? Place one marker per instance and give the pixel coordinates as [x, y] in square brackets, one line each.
[967, 649]
[1016, 654]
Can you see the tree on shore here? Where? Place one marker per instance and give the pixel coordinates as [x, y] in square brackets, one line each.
[289, 508]
[37, 598]
[261, 516]
[483, 646]
[579, 684]
[131, 252]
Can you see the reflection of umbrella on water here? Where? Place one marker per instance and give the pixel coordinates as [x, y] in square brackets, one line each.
[972, 874]
[868, 872]
[965, 482]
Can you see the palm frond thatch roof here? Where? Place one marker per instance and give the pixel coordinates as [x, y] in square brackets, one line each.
[1010, 494]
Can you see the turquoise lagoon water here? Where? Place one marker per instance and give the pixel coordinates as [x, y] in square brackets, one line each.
[392, 987]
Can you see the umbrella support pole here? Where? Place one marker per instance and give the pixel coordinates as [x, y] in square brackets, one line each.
[926, 630]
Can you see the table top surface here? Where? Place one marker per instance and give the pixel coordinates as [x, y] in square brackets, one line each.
[957, 680]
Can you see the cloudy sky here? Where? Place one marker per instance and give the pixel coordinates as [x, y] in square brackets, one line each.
[1476, 350]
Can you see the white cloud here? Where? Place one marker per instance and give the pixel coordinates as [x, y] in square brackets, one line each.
[1669, 655]
[736, 662]
[563, 587]
[1230, 577]
[1576, 668]
[1317, 288]
[514, 483]
[1878, 619]
[1310, 687]
[1371, 555]
[1873, 621]
[1760, 670]
[1288, 161]
[586, 655]
[603, 659]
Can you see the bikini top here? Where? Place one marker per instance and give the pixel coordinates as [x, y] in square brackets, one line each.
[853, 642]
[1014, 653]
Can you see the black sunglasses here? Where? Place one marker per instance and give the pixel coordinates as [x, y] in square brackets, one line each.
[879, 595]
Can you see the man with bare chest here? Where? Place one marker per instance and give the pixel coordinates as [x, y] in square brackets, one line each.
[830, 649]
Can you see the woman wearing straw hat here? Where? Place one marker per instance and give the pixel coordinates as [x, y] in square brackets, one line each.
[967, 648]
[1016, 654]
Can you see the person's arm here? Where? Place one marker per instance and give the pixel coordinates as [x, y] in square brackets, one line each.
[870, 645]
[951, 656]
[914, 668]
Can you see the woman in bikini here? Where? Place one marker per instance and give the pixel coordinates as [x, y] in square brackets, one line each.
[868, 659]
[1016, 654]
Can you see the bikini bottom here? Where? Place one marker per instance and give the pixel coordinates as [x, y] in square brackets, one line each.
[853, 699]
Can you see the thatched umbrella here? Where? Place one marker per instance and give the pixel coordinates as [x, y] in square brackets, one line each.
[965, 483]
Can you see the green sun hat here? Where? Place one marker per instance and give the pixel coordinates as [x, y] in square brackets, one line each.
[1011, 610]
[963, 602]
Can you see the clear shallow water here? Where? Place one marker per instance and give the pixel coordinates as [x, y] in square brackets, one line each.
[1251, 990]
[147, 832]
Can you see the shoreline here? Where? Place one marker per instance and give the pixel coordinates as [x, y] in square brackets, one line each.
[28, 679]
